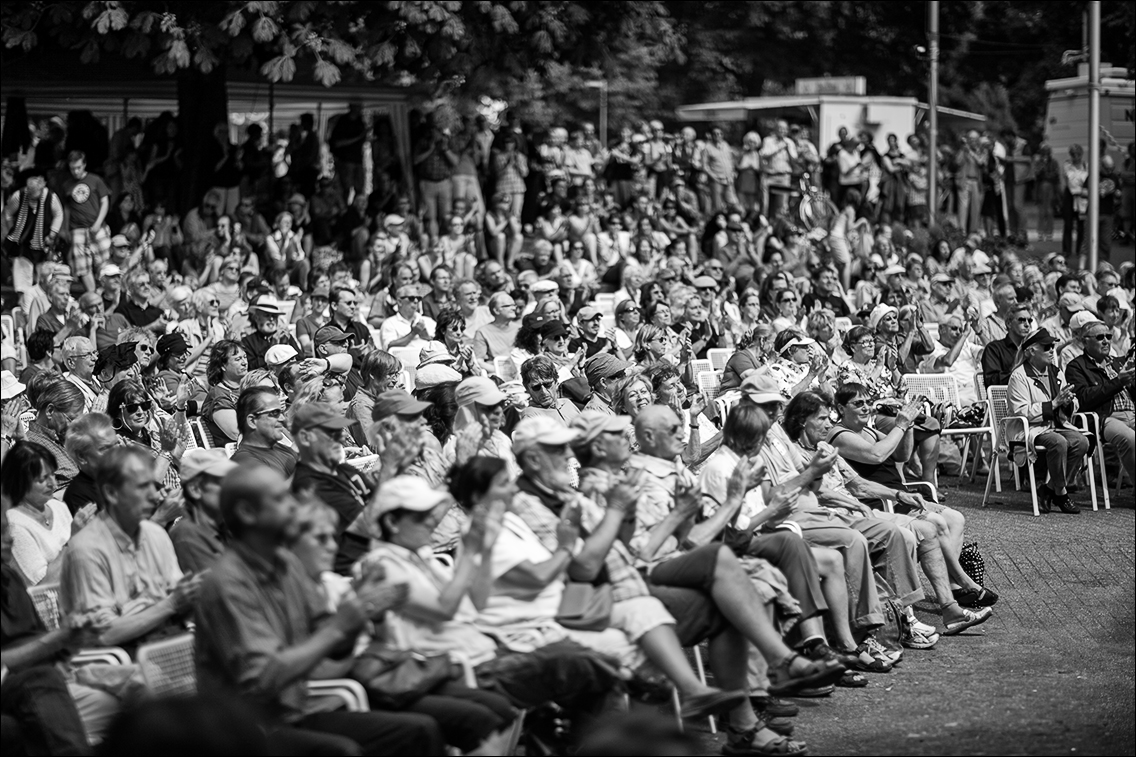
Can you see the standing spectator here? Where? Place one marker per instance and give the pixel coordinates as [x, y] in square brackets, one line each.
[749, 186]
[970, 169]
[346, 142]
[304, 152]
[778, 154]
[511, 168]
[222, 159]
[1019, 166]
[1074, 201]
[121, 145]
[466, 183]
[1047, 174]
[88, 201]
[434, 163]
[33, 216]
[718, 164]
[256, 172]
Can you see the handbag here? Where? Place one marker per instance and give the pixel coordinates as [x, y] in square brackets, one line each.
[971, 562]
[397, 678]
[585, 607]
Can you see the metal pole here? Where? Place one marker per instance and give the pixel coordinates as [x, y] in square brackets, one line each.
[1092, 232]
[933, 111]
[603, 115]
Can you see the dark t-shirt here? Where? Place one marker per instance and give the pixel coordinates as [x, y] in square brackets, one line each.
[18, 618]
[84, 197]
[602, 344]
[347, 128]
[347, 494]
[80, 493]
[218, 398]
[833, 302]
[279, 458]
[139, 316]
[229, 175]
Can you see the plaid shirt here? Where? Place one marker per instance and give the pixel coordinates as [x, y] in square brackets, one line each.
[531, 506]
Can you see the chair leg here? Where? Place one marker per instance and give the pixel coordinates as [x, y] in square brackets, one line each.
[1033, 489]
[678, 710]
[702, 677]
[515, 733]
[965, 452]
[991, 475]
[1017, 474]
[1104, 472]
[1092, 476]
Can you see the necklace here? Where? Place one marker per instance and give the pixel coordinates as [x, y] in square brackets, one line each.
[43, 517]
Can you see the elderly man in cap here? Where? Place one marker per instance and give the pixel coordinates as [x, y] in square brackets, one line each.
[136, 306]
[545, 495]
[542, 291]
[1103, 385]
[407, 327]
[263, 630]
[604, 372]
[1059, 324]
[943, 301]
[199, 538]
[494, 340]
[590, 322]
[1080, 321]
[957, 355]
[320, 433]
[110, 286]
[103, 327]
[260, 419]
[265, 313]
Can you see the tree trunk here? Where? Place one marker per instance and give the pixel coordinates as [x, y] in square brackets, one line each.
[202, 103]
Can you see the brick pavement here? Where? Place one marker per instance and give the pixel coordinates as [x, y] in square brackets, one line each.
[1051, 673]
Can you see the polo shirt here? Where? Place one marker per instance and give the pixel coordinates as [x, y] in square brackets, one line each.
[998, 362]
[197, 544]
[396, 327]
[277, 457]
[140, 316]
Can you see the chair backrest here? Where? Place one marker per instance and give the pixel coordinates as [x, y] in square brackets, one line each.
[937, 387]
[200, 433]
[843, 323]
[46, 601]
[605, 303]
[506, 369]
[998, 404]
[168, 667]
[932, 330]
[979, 385]
[408, 356]
[724, 403]
[700, 365]
[708, 384]
[8, 330]
[719, 357]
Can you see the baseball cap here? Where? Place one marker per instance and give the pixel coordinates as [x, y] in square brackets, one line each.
[431, 375]
[798, 342]
[409, 290]
[541, 429]
[396, 402]
[980, 269]
[110, 269]
[591, 423]
[179, 293]
[331, 333]
[213, 462]
[1041, 336]
[119, 240]
[893, 270]
[478, 389]
[434, 352]
[279, 354]
[1071, 302]
[317, 415]
[297, 199]
[393, 220]
[943, 278]
[588, 313]
[705, 282]
[10, 386]
[553, 329]
[761, 387]
[603, 365]
[322, 291]
[544, 285]
[404, 493]
[1081, 319]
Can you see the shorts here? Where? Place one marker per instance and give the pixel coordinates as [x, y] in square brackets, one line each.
[639, 615]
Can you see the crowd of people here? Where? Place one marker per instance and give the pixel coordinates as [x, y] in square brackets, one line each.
[465, 443]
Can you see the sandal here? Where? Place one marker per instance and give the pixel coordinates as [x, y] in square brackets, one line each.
[744, 742]
[852, 680]
[817, 673]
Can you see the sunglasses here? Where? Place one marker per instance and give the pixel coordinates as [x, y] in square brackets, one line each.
[1045, 347]
[138, 407]
[788, 299]
[859, 403]
[415, 298]
[1101, 337]
[274, 413]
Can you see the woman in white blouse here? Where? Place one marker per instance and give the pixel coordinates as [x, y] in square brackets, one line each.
[39, 524]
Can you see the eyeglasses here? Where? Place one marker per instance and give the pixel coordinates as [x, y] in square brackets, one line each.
[788, 299]
[337, 434]
[1101, 337]
[1045, 347]
[273, 413]
[145, 348]
[858, 403]
[864, 343]
[138, 407]
[1027, 319]
[416, 298]
[214, 303]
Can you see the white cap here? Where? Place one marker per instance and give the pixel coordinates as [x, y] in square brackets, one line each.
[10, 386]
[278, 354]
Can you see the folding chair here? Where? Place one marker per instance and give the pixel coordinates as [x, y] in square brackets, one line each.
[200, 433]
[1090, 424]
[350, 693]
[940, 388]
[45, 598]
[843, 324]
[698, 365]
[719, 357]
[698, 668]
[605, 303]
[708, 383]
[505, 368]
[723, 403]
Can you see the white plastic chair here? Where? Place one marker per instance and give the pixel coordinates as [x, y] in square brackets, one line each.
[698, 668]
[45, 598]
[200, 433]
[1090, 424]
[168, 667]
[719, 357]
[843, 323]
[700, 365]
[709, 383]
[723, 403]
[940, 388]
[605, 303]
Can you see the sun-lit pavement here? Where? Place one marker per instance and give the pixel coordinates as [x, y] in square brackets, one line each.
[1051, 673]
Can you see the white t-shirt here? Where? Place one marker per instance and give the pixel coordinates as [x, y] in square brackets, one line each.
[968, 364]
[397, 327]
[713, 481]
[509, 604]
[35, 547]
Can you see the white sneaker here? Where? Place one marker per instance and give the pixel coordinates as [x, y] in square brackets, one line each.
[880, 652]
[923, 628]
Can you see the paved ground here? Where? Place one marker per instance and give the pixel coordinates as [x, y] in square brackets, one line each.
[1051, 673]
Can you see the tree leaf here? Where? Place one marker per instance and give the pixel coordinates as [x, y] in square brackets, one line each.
[206, 59]
[502, 20]
[340, 51]
[264, 29]
[136, 45]
[90, 52]
[233, 23]
[144, 21]
[179, 53]
[326, 73]
[169, 23]
[280, 68]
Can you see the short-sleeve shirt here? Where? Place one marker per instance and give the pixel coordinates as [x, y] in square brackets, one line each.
[659, 482]
[34, 547]
[277, 457]
[218, 398]
[140, 316]
[713, 480]
[84, 199]
[197, 545]
[108, 575]
[248, 612]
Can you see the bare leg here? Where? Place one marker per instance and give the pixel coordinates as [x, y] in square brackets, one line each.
[741, 605]
[830, 565]
[663, 649]
[928, 452]
[935, 568]
[947, 540]
[726, 649]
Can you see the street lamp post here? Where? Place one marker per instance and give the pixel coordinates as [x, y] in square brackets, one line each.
[933, 111]
[1092, 233]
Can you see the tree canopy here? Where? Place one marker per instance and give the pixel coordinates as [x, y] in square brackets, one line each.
[653, 54]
